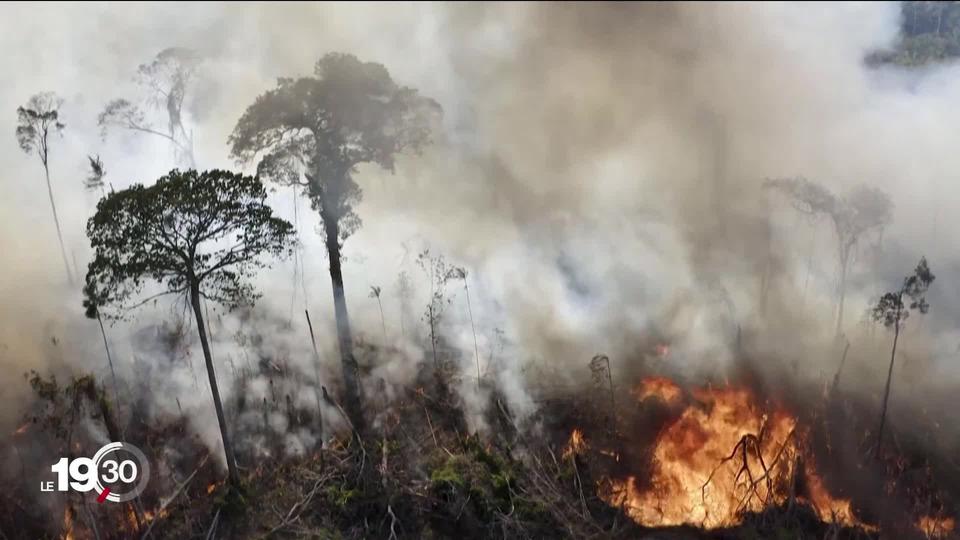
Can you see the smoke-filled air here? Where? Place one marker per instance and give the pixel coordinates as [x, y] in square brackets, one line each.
[480, 270]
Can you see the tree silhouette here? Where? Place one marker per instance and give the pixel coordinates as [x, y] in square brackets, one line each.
[321, 128]
[94, 179]
[195, 234]
[166, 82]
[891, 310]
[36, 122]
[862, 210]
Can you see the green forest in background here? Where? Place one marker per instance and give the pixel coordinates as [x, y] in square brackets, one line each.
[929, 32]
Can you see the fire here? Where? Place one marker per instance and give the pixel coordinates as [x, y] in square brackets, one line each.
[22, 429]
[657, 387]
[575, 445]
[68, 524]
[211, 487]
[936, 527]
[723, 456]
[148, 516]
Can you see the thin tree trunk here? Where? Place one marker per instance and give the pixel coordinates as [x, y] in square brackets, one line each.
[836, 378]
[113, 373]
[214, 389]
[433, 336]
[351, 374]
[383, 321]
[476, 348]
[316, 371]
[613, 404]
[842, 291]
[56, 222]
[886, 392]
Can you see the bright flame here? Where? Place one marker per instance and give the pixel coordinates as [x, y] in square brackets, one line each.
[22, 429]
[211, 487]
[575, 445]
[67, 524]
[657, 387]
[936, 527]
[723, 456]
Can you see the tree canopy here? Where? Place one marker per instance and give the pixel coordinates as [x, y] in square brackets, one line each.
[165, 81]
[350, 112]
[929, 32]
[210, 228]
[36, 121]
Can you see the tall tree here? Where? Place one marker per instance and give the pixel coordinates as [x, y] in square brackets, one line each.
[863, 210]
[165, 82]
[321, 128]
[892, 310]
[37, 121]
[195, 234]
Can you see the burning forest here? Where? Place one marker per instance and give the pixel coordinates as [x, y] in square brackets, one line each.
[534, 270]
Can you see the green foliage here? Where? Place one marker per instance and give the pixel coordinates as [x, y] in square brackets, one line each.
[340, 496]
[350, 112]
[929, 32]
[207, 229]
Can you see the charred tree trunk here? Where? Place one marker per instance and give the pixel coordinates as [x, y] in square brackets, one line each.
[214, 388]
[886, 392]
[351, 376]
[56, 222]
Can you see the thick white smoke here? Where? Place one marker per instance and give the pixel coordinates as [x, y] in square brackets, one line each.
[599, 176]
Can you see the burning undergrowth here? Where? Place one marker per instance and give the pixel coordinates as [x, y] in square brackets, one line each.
[735, 455]
[617, 456]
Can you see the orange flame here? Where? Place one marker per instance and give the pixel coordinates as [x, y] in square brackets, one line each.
[936, 527]
[67, 524]
[723, 456]
[657, 387]
[22, 429]
[211, 487]
[576, 445]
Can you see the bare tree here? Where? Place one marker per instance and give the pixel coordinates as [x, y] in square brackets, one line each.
[438, 273]
[166, 82]
[891, 310]
[461, 273]
[375, 293]
[863, 210]
[37, 121]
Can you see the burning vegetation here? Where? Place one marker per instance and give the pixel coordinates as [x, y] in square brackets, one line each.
[444, 425]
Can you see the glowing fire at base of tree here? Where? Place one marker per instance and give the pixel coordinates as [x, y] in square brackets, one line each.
[723, 456]
[68, 524]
